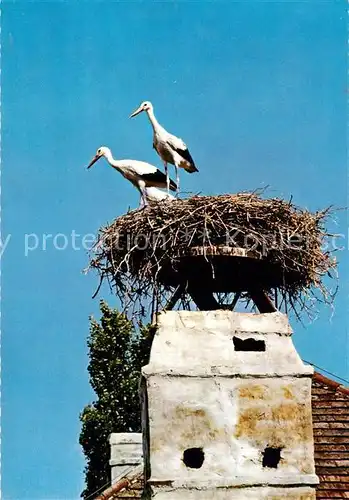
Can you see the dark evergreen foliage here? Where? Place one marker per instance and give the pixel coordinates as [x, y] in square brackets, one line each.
[116, 354]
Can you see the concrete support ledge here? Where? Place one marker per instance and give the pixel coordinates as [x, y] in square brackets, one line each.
[264, 493]
[224, 372]
[226, 320]
[294, 481]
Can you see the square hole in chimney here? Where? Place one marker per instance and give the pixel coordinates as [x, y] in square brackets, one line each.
[193, 458]
[248, 345]
[271, 457]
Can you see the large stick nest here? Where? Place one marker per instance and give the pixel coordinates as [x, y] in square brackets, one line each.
[146, 254]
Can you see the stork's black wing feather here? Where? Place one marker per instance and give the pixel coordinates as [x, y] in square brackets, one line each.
[184, 153]
[159, 177]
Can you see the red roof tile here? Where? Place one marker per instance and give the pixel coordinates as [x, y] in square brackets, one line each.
[330, 402]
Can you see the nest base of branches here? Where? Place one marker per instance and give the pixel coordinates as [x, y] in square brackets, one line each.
[222, 270]
[221, 244]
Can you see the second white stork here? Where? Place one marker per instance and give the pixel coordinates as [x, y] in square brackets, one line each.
[170, 148]
[141, 174]
[154, 195]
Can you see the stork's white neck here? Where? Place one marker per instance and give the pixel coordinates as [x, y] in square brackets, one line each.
[155, 124]
[109, 157]
[111, 160]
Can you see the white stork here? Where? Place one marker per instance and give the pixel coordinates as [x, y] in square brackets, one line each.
[142, 175]
[154, 195]
[170, 148]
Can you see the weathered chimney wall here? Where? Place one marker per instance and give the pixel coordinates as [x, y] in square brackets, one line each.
[228, 409]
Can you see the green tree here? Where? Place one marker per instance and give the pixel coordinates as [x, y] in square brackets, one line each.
[116, 354]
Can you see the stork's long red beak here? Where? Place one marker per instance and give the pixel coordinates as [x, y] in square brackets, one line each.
[135, 113]
[94, 159]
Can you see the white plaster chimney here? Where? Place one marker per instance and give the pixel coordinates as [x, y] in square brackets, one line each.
[227, 409]
[125, 453]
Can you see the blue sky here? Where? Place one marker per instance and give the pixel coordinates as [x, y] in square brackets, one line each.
[257, 89]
